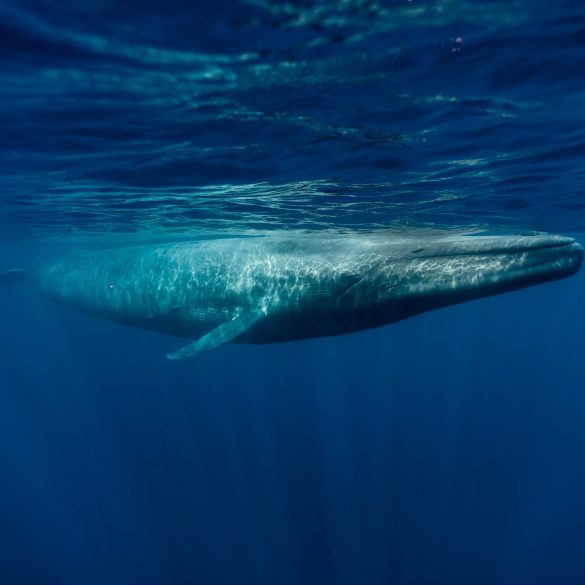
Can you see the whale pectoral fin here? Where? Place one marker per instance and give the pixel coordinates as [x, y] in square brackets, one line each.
[219, 336]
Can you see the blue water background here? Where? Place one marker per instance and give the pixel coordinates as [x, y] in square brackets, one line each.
[444, 449]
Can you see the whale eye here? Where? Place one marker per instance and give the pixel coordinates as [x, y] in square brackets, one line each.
[418, 250]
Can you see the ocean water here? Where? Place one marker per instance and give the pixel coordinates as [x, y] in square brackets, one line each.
[448, 448]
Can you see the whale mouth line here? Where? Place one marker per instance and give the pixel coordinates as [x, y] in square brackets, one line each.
[533, 247]
[568, 243]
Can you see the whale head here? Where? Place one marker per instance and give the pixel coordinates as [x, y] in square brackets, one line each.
[432, 273]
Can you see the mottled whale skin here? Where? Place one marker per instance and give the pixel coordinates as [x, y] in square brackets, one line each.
[270, 289]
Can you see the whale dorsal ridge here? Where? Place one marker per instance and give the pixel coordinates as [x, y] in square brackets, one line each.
[222, 334]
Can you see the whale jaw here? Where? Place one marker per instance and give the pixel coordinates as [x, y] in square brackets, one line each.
[457, 270]
[504, 263]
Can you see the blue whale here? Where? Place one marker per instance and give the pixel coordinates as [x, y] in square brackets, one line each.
[270, 289]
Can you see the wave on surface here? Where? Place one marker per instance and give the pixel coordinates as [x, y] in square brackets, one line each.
[174, 121]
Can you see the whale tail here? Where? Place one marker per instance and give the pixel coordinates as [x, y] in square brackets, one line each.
[13, 276]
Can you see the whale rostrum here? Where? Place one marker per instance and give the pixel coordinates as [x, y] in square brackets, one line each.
[273, 288]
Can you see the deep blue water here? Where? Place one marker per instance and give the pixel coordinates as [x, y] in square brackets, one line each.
[444, 449]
